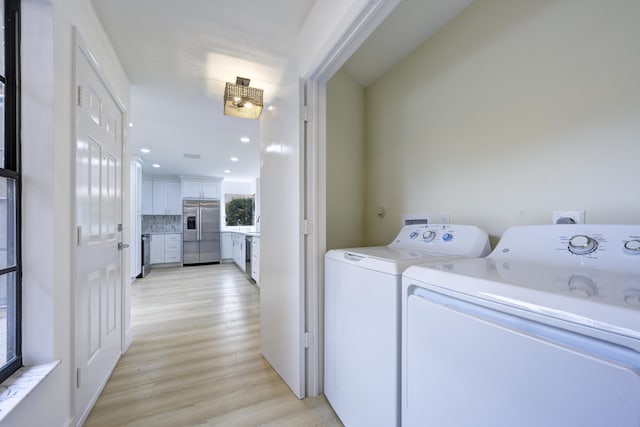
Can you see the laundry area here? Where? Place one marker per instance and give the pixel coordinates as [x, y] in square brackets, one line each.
[517, 119]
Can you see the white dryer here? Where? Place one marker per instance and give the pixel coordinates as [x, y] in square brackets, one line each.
[362, 317]
[545, 331]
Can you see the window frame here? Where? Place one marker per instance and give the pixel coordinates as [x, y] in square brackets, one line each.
[12, 167]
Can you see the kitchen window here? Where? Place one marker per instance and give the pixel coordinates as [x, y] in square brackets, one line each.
[10, 267]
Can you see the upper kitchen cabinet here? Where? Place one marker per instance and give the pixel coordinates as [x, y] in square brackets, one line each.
[201, 187]
[147, 196]
[167, 197]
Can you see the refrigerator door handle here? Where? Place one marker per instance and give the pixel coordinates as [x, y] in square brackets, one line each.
[199, 223]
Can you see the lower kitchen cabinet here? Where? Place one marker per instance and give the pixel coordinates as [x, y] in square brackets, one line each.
[238, 250]
[225, 246]
[166, 248]
[255, 259]
[172, 248]
[157, 249]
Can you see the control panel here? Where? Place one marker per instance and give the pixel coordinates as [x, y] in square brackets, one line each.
[450, 238]
[609, 246]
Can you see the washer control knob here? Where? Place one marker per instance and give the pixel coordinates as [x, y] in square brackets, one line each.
[582, 286]
[413, 235]
[582, 245]
[447, 237]
[429, 235]
[632, 247]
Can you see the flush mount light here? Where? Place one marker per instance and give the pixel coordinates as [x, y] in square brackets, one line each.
[155, 165]
[234, 159]
[145, 150]
[130, 124]
[245, 139]
[242, 101]
[227, 171]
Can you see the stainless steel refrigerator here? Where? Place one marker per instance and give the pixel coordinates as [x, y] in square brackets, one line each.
[201, 231]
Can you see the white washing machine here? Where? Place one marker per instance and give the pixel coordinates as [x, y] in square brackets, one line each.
[545, 331]
[362, 317]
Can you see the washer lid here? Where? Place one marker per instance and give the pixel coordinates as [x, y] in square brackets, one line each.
[594, 298]
[386, 259]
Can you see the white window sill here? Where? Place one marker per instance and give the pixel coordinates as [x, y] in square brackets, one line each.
[19, 385]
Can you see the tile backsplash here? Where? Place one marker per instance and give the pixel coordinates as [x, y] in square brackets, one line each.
[162, 223]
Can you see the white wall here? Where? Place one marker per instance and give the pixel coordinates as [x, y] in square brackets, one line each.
[346, 163]
[512, 110]
[47, 194]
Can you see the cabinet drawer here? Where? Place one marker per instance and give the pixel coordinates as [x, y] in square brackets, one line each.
[172, 246]
[173, 237]
[172, 256]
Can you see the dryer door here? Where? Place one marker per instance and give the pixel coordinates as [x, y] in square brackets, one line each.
[468, 365]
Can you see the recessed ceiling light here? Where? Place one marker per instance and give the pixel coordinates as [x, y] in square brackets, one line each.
[130, 124]
[234, 159]
[245, 139]
[155, 165]
[227, 171]
[145, 150]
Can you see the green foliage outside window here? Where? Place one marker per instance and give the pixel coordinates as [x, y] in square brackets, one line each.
[239, 211]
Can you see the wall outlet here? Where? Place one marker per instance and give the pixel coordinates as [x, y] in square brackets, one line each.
[566, 217]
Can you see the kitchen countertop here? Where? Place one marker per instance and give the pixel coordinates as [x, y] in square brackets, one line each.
[246, 233]
[163, 232]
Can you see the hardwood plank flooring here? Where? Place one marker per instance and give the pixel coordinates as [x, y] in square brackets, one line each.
[195, 359]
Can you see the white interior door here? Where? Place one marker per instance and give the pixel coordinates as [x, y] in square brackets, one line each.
[98, 280]
[281, 239]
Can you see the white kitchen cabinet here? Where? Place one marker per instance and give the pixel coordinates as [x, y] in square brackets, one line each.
[157, 249]
[167, 199]
[255, 259]
[147, 196]
[238, 250]
[201, 188]
[166, 248]
[225, 246]
[173, 248]
[174, 197]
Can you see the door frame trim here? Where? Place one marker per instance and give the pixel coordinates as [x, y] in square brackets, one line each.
[354, 33]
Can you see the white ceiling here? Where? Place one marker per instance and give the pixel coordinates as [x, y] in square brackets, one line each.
[179, 54]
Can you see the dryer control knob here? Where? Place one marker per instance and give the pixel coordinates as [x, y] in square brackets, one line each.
[632, 247]
[429, 235]
[582, 245]
[447, 236]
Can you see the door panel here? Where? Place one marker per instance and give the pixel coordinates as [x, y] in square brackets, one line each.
[210, 249]
[190, 222]
[282, 267]
[98, 260]
[191, 252]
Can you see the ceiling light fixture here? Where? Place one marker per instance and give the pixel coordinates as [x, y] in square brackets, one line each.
[245, 139]
[242, 101]
[155, 165]
[234, 159]
[227, 171]
[145, 150]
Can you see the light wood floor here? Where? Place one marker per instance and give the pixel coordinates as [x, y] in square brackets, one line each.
[195, 359]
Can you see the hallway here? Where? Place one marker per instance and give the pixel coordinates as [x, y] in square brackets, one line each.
[195, 359]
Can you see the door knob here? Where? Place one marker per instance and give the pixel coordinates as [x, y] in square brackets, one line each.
[122, 246]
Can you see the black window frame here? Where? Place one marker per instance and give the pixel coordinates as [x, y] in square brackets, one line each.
[12, 170]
